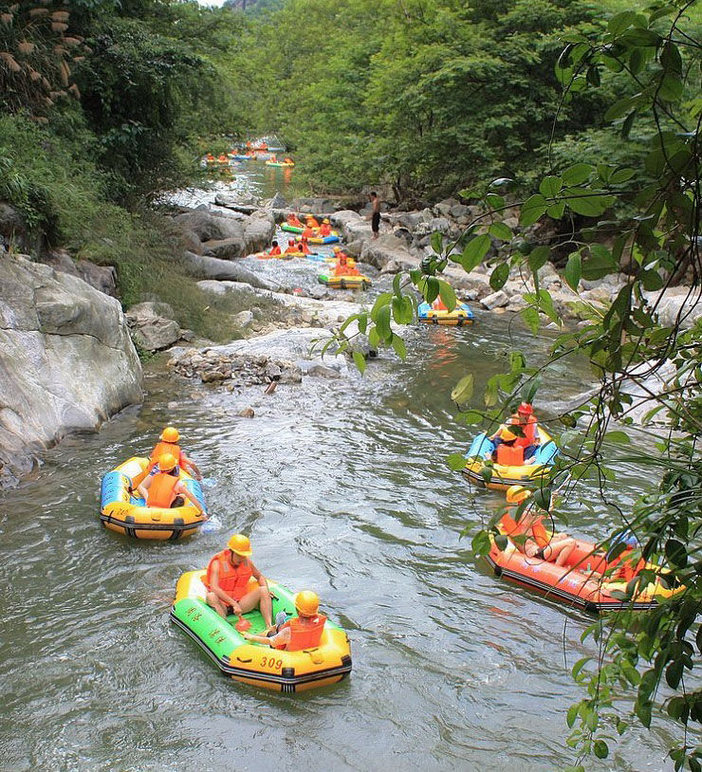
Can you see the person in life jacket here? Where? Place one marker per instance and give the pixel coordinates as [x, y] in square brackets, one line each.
[273, 159]
[223, 159]
[164, 489]
[506, 451]
[169, 444]
[311, 221]
[526, 420]
[325, 227]
[294, 221]
[291, 249]
[301, 632]
[210, 158]
[308, 232]
[289, 160]
[624, 567]
[554, 548]
[301, 245]
[227, 582]
[345, 265]
[275, 249]
[438, 305]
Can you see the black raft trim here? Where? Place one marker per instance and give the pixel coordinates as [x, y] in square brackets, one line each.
[561, 594]
[131, 525]
[287, 683]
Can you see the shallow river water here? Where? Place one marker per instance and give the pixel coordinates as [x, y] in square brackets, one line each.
[343, 488]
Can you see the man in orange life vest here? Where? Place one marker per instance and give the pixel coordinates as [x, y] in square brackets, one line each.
[164, 488]
[275, 249]
[169, 444]
[325, 227]
[227, 581]
[526, 420]
[301, 632]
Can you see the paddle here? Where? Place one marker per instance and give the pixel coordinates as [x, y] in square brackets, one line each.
[242, 625]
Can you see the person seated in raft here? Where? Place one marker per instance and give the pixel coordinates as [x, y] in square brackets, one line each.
[169, 444]
[288, 160]
[210, 158]
[291, 249]
[301, 245]
[223, 159]
[311, 221]
[301, 632]
[624, 569]
[164, 488]
[526, 420]
[227, 579]
[555, 548]
[275, 249]
[308, 232]
[294, 221]
[438, 305]
[325, 227]
[506, 451]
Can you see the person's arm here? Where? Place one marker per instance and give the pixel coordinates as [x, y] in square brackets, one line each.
[192, 467]
[260, 578]
[144, 487]
[219, 592]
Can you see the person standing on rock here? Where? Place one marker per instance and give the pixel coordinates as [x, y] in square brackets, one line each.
[375, 214]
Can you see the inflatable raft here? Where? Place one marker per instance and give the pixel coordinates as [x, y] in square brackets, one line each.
[502, 475]
[332, 239]
[279, 163]
[124, 511]
[254, 663]
[582, 582]
[281, 256]
[460, 315]
[345, 282]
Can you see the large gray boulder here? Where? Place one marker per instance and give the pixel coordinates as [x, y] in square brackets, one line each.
[211, 268]
[225, 249]
[213, 226]
[259, 230]
[66, 361]
[385, 249]
[152, 326]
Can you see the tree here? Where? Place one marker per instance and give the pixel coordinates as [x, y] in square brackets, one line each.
[652, 60]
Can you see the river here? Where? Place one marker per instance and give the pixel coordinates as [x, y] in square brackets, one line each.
[343, 488]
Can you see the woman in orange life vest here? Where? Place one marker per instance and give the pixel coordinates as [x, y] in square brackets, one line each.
[227, 578]
[291, 248]
[301, 632]
[164, 488]
[294, 221]
[554, 548]
[169, 444]
[325, 227]
[275, 250]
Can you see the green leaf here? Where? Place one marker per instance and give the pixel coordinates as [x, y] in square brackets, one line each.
[538, 258]
[550, 186]
[651, 281]
[621, 175]
[399, 345]
[499, 276]
[501, 231]
[600, 749]
[481, 543]
[572, 715]
[621, 21]
[456, 462]
[587, 202]
[447, 295]
[437, 242]
[533, 208]
[622, 438]
[359, 361]
[474, 252]
[402, 310]
[599, 263]
[495, 201]
[576, 174]
[556, 210]
[382, 323]
[382, 300]
[463, 391]
[573, 270]
[373, 339]
[531, 318]
[396, 285]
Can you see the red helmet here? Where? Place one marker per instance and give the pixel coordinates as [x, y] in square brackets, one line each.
[525, 408]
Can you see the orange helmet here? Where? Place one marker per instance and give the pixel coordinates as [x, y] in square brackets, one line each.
[166, 462]
[307, 603]
[525, 408]
[240, 544]
[170, 434]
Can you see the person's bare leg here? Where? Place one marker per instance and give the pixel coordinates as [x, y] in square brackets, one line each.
[213, 601]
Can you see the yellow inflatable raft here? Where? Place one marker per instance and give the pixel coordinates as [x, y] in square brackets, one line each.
[254, 663]
[124, 511]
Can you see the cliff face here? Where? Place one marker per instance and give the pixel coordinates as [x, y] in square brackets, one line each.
[66, 361]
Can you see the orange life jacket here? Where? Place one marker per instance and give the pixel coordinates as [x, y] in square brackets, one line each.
[275, 251]
[325, 229]
[232, 579]
[160, 492]
[438, 305]
[302, 246]
[294, 221]
[537, 531]
[165, 447]
[312, 222]
[308, 233]
[304, 636]
[625, 570]
[529, 429]
[510, 455]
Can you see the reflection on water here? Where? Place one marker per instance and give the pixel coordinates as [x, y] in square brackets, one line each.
[343, 488]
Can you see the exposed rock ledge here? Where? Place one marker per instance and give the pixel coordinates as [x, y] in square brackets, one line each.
[66, 361]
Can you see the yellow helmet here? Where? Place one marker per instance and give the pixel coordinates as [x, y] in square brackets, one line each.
[336, 249]
[326, 220]
[166, 462]
[517, 493]
[170, 434]
[307, 603]
[507, 435]
[241, 545]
